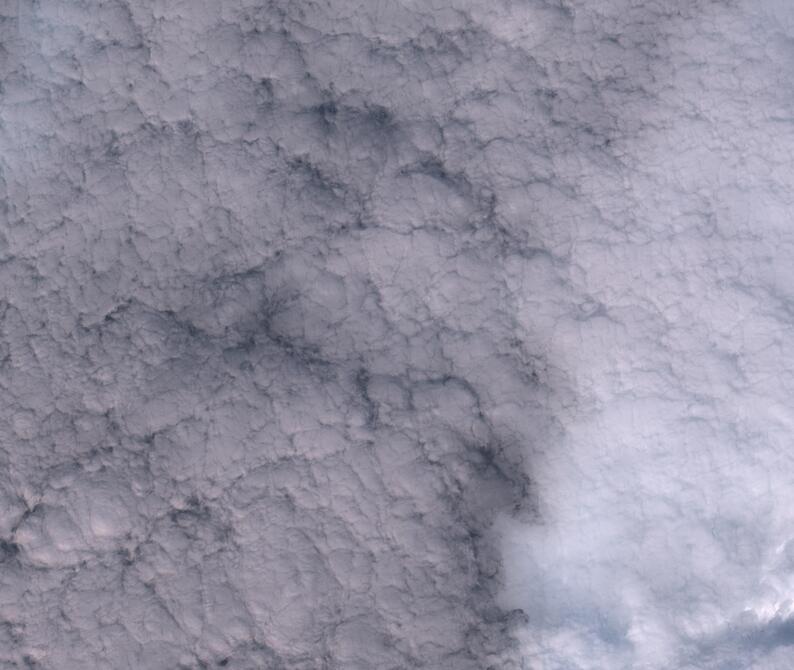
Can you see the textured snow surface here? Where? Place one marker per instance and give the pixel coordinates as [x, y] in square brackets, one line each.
[396, 334]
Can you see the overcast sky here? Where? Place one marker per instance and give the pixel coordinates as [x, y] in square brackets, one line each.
[407, 334]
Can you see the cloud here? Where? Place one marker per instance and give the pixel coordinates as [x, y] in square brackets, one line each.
[346, 335]
[665, 502]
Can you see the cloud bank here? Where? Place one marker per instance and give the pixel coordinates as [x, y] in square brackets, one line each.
[405, 335]
[666, 529]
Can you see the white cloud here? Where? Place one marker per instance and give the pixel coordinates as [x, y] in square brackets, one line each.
[666, 505]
